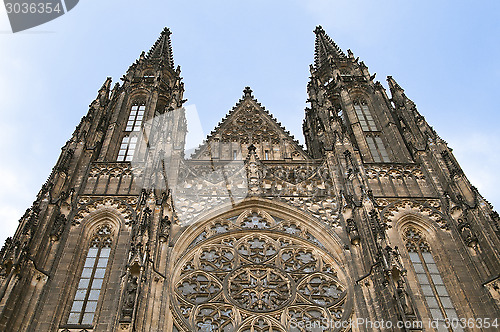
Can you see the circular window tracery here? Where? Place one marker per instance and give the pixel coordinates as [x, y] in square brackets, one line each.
[259, 288]
[257, 272]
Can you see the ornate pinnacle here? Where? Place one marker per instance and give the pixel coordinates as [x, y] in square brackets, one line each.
[247, 92]
[162, 48]
[325, 48]
[398, 94]
[393, 84]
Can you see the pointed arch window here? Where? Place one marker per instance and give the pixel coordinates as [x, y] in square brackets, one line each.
[436, 296]
[84, 304]
[364, 116]
[135, 117]
[127, 148]
[377, 148]
[372, 132]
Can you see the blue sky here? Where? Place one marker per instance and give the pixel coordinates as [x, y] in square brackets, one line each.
[443, 53]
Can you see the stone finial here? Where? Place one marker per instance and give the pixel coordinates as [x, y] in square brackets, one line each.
[318, 29]
[247, 92]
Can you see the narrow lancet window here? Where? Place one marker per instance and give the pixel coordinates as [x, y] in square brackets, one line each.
[135, 118]
[372, 132]
[377, 149]
[127, 149]
[364, 116]
[91, 280]
[436, 296]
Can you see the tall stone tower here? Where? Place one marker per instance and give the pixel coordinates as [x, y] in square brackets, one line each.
[373, 227]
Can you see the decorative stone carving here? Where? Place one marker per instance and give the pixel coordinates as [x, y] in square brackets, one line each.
[164, 228]
[32, 218]
[65, 160]
[427, 208]
[352, 230]
[145, 223]
[253, 173]
[110, 169]
[404, 298]
[467, 233]
[123, 205]
[255, 219]
[249, 123]
[493, 286]
[129, 298]
[306, 186]
[58, 227]
[377, 227]
[252, 272]
[325, 209]
[259, 288]
[451, 164]
[395, 171]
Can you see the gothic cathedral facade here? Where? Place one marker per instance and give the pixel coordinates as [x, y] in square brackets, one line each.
[373, 227]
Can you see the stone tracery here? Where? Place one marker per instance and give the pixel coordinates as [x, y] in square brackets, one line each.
[253, 271]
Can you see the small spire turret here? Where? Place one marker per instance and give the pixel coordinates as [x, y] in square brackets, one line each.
[247, 92]
[162, 49]
[325, 48]
[398, 94]
[104, 91]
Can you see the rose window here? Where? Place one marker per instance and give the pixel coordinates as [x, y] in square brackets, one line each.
[259, 288]
[257, 272]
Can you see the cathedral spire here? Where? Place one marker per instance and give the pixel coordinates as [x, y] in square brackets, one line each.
[325, 47]
[162, 48]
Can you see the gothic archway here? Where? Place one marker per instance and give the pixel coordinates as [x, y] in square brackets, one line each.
[256, 268]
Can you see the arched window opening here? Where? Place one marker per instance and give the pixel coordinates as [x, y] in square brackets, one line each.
[262, 261]
[377, 148]
[91, 280]
[372, 132]
[436, 296]
[365, 116]
[135, 117]
[127, 149]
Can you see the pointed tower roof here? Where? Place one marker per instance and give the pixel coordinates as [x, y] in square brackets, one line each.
[393, 85]
[325, 47]
[162, 48]
[250, 123]
[397, 93]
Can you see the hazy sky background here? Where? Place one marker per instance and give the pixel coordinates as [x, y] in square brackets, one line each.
[443, 53]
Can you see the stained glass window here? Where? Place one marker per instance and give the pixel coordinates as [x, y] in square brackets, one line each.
[377, 149]
[368, 125]
[127, 148]
[436, 296]
[364, 116]
[91, 280]
[135, 118]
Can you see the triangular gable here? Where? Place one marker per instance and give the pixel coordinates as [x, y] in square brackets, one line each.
[246, 124]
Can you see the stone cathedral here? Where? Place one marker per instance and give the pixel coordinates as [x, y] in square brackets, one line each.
[372, 227]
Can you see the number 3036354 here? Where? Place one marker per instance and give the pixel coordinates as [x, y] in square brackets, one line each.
[33, 8]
